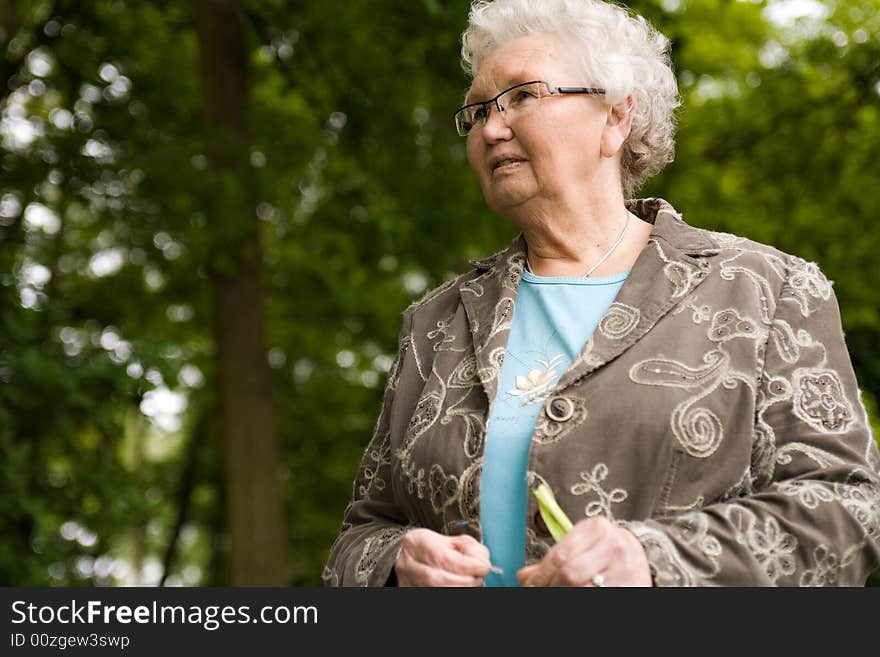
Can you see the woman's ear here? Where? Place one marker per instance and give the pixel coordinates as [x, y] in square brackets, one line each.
[617, 127]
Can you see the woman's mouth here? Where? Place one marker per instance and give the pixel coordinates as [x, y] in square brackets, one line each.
[506, 164]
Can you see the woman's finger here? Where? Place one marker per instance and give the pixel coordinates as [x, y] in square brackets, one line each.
[421, 574]
[583, 538]
[454, 561]
[470, 546]
[456, 554]
[580, 569]
[436, 551]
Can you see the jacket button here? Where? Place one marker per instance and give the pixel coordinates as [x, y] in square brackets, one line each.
[559, 409]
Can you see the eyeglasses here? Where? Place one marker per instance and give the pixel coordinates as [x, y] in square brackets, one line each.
[519, 99]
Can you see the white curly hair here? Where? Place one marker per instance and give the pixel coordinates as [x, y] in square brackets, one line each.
[617, 49]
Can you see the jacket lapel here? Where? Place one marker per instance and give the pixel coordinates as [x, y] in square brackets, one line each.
[488, 301]
[669, 268]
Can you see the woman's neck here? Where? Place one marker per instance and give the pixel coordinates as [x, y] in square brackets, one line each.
[568, 241]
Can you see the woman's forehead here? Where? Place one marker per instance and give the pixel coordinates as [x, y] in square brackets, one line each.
[521, 60]
[488, 88]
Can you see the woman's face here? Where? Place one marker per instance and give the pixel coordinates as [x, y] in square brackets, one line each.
[551, 149]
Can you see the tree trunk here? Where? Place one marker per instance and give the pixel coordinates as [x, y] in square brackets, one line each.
[10, 20]
[250, 445]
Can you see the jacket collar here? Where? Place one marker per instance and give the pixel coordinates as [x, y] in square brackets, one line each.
[670, 266]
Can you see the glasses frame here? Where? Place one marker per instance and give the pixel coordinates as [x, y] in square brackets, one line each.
[551, 90]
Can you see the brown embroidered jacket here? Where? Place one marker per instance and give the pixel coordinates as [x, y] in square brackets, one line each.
[714, 412]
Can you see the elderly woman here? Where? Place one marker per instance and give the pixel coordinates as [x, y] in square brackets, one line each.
[687, 395]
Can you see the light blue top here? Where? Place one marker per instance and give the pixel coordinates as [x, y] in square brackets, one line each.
[553, 318]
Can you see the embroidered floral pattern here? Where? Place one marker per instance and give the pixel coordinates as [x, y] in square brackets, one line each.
[771, 547]
[763, 459]
[469, 497]
[668, 566]
[465, 374]
[698, 429]
[424, 415]
[819, 400]
[474, 428]
[373, 547]
[692, 530]
[666, 372]
[861, 498]
[443, 487]
[442, 331]
[682, 276]
[785, 341]
[785, 455]
[730, 271]
[619, 320]
[593, 484]
[824, 573]
[810, 493]
[700, 314]
[727, 325]
[378, 458]
[806, 282]
[493, 372]
[534, 386]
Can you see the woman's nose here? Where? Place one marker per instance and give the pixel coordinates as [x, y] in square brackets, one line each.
[496, 127]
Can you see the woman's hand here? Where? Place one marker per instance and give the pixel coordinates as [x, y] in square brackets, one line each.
[594, 546]
[430, 559]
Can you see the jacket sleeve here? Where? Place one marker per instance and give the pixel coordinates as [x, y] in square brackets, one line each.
[366, 549]
[809, 514]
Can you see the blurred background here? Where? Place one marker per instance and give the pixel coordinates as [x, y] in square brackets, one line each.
[213, 212]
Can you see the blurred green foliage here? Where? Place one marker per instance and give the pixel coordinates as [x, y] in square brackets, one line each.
[109, 209]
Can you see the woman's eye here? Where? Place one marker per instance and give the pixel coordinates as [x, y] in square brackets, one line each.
[522, 96]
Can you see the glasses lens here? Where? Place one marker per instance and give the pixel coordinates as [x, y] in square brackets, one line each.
[516, 100]
[464, 121]
[521, 98]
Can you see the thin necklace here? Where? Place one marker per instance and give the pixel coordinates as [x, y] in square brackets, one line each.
[603, 258]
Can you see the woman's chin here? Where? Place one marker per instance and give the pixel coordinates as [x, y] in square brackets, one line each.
[507, 197]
